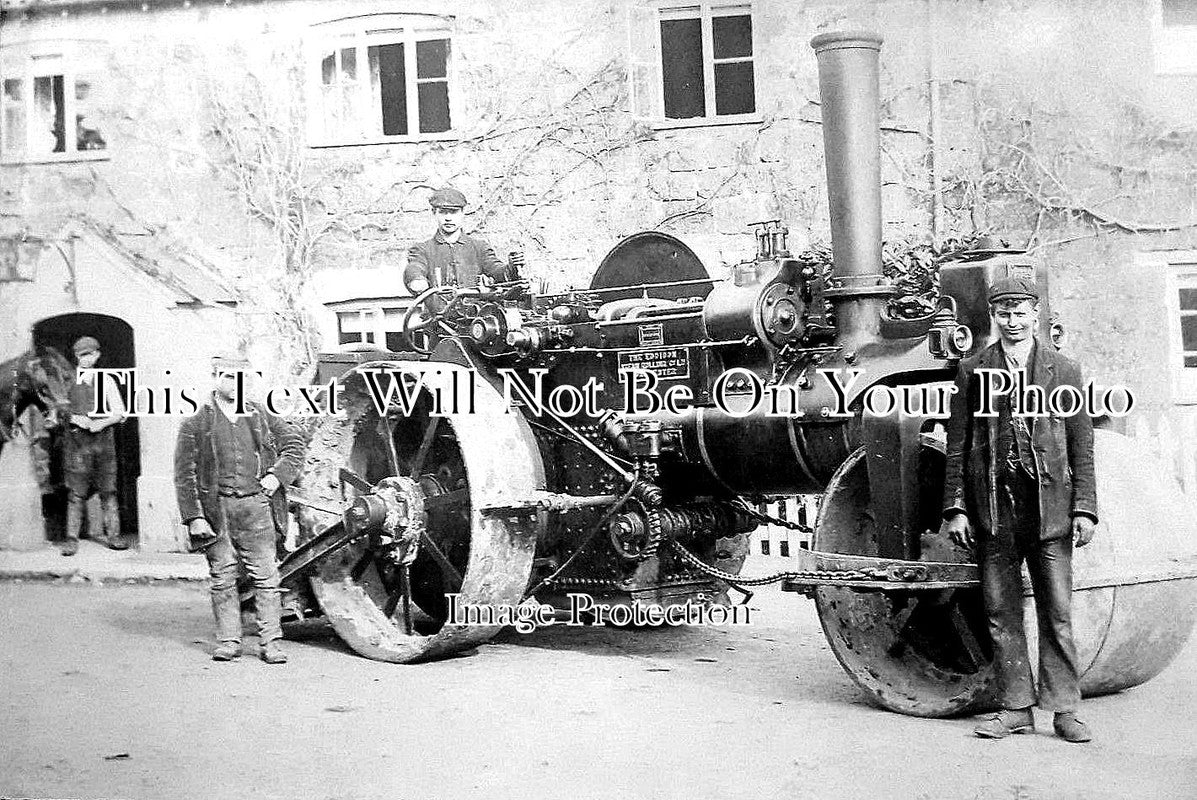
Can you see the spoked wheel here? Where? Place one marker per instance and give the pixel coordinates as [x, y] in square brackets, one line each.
[924, 653]
[427, 491]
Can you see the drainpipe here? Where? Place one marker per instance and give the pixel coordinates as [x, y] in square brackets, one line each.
[933, 124]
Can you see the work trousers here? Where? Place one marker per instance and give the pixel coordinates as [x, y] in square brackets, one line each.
[1015, 538]
[90, 460]
[246, 535]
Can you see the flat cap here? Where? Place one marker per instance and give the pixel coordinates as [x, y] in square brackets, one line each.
[447, 197]
[86, 344]
[1013, 289]
[229, 361]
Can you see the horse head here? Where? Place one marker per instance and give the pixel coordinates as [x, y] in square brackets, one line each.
[51, 376]
[41, 377]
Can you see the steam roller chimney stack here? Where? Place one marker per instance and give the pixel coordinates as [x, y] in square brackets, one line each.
[849, 87]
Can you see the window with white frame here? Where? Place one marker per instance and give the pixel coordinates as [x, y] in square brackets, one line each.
[1182, 317]
[380, 78]
[693, 62]
[377, 321]
[1174, 35]
[356, 326]
[49, 103]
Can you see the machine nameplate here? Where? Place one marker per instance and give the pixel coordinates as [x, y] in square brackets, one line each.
[666, 362]
[652, 335]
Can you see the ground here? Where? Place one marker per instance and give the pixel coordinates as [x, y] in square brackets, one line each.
[108, 692]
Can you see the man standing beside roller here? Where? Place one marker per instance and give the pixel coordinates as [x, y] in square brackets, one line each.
[1022, 487]
[231, 466]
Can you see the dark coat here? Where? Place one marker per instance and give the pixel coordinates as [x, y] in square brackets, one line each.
[280, 449]
[459, 262]
[1062, 448]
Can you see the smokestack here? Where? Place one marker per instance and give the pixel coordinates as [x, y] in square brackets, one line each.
[849, 87]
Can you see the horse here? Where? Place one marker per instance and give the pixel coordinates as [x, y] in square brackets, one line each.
[40, 377]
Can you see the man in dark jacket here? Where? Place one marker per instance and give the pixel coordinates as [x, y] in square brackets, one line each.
[1022, 487]
[451, 256]
[230, 470]
[89, 451]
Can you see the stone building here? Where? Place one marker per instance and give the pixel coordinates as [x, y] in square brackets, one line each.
[157, 312]
[291, 145]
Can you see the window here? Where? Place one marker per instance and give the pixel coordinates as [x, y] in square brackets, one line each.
[1174, 34]
[695, 63]
[368, 322]
[1181, 302]
[48, 104]
[380, 78]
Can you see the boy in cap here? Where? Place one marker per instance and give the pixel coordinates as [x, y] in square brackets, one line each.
[230, 470]
[89, 451]
[1022, 488]
[451, 256]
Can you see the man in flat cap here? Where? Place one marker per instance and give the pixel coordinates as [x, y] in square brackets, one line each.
[451, 256]
[230, 470]
[89, 450]
[1021, 487]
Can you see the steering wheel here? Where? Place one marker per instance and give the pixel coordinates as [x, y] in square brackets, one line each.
[433, 320]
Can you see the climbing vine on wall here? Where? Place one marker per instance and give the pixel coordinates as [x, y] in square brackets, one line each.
[260, 148]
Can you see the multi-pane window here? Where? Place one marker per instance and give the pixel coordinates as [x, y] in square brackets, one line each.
[47, 108]
[703, 61]
[1181, 302]
[1186, 305]
[1178, 13]
[1175, 37]
[380, 83]
[366, 322]
[357, 326]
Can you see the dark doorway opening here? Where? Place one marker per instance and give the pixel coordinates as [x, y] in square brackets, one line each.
[116, 351]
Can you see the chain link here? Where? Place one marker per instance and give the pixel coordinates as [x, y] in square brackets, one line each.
[847, 575]
[761, 516]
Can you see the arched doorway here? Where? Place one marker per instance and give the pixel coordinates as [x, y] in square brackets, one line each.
[116, 351]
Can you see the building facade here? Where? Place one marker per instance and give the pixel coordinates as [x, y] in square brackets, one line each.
[291, 146]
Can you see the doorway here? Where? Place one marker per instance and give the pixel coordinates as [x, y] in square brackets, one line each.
[116, 351]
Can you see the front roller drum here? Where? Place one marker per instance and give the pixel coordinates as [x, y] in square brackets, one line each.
[924, 653]
[460, 467]
[1134, 599]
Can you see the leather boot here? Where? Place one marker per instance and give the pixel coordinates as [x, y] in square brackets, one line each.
[269, 606]
[1071, 729]
[272, 653]
[1006, 722]
[112, 523]
[226, 608]
[227, 651]
[74, 525]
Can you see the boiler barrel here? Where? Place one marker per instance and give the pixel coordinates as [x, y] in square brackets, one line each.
[762, 454]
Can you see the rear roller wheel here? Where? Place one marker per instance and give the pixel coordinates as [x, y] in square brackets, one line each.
[430, 482]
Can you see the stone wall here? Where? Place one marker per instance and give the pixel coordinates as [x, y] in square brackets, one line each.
[1053, 132]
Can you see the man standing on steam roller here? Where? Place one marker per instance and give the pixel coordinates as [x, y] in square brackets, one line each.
[451, 256]
[1023, 488]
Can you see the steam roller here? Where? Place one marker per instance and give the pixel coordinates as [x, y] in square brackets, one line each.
[615, 441]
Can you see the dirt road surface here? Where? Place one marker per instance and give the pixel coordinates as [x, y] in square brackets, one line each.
[109, 692]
